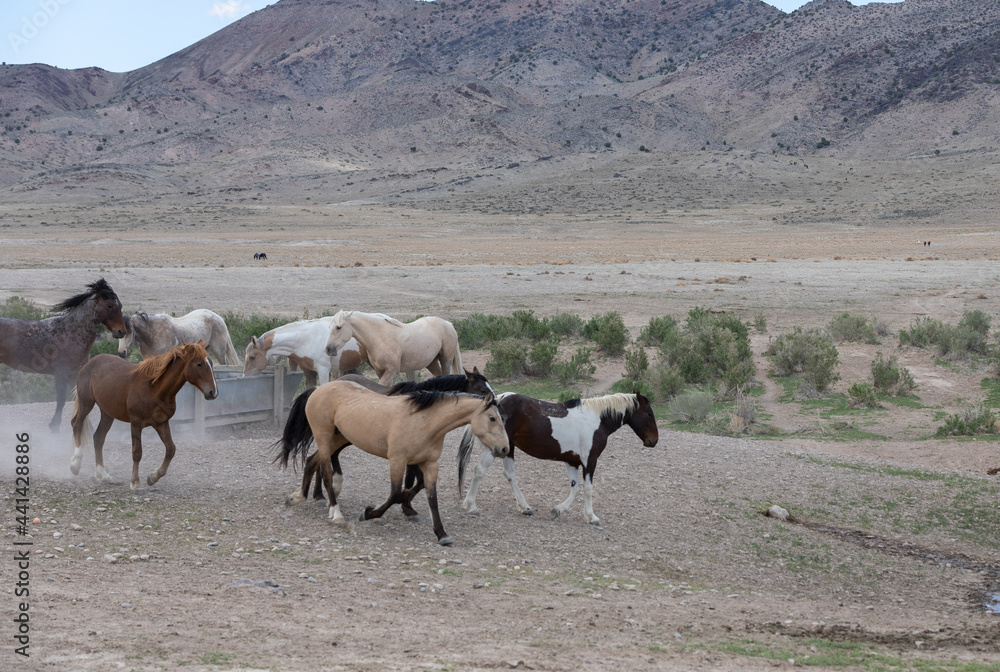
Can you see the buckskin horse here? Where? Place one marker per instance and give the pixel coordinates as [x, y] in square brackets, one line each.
[575, 432]
[142, 395]
[59, 345]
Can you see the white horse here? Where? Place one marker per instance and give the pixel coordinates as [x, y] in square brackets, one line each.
[393, 347]
[304, 343]
[160, 333]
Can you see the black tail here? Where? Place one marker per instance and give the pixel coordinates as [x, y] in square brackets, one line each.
[297, 435]
[464, 452]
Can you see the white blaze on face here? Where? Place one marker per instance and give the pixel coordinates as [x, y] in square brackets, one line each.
[575, 432]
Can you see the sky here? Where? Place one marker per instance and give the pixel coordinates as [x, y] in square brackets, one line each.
[122, 35]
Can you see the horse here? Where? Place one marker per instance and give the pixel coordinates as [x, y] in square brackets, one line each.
[60, 345]
[141, 395]
[404, 429]
[394, 347]
[158, 333]
[260, 256]
[471, 382]
[304, 343]
[575, 432]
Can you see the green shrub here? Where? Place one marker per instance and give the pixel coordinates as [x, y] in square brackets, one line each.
[925, 332]
[542, 356]
[565, 324]
[242, 327]
[666, 381]
[629, 386]
[971, 421]
[760, 323]
[969, 337]
[524, 324]
[863, 395]
[577, 368]
[508, 358]
[636, 363]
[852, 328]
[22, 309]
[889, 378]
[691, 407]
[809, 352]
[661, 331]
[609, 332]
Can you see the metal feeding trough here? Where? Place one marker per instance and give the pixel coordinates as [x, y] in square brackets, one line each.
[262, 397]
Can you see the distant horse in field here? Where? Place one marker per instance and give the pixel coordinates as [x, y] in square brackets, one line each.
[470, 382]
[404, 429]
[260, 256]
[142, 395]
[575, 432]
[394, 347]
[304, 343]
[60, 345]
[159, 333]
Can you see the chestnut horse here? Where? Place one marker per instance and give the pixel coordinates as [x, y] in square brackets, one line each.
[142, 395]
[60, 345]
[304, 343]
[156, 334]
[406, 429]
[394, 347]
[575, 432]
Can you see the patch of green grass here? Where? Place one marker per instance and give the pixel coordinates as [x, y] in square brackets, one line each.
[216, 658]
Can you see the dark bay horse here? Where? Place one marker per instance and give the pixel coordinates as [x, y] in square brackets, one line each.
[60, 345]
[404, 429]
[575, 432]
[471, 382]
[142, 395]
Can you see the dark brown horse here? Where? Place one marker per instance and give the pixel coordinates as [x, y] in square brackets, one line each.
[59, 345]
[141, 395]
[470, 382]
[575, 432]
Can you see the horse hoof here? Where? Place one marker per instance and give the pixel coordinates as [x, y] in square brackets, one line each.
[528, 512]
[555, 513]
[595, 521]
[75, 468]
[414, 518]
[150, 481]
[365, 512]
[445, 541]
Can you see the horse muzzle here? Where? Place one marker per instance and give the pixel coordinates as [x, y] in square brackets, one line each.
[500, 451]
[650, 441]
[331, 350]
[123, 354]
[118, 333]
[211, 394]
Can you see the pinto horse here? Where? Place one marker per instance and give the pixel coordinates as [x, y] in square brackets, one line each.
[394, 347]
[141, 395]
[158, 333]
[304, 343]
[575, 432]
[404, 429]
[470, 382]
[60, 345]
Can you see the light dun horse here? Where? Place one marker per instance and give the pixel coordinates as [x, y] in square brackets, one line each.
[60, 345]
[141, 395]
[394, 347]
[575, 432]
[156, 334]
[405, 430]
[304, 343]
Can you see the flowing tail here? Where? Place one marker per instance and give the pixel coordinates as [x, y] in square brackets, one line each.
[232, 357]
[464, 452]
[297, 435]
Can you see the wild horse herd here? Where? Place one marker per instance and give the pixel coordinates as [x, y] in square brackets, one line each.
[404, 423]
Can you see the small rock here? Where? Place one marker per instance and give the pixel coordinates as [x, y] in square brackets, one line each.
[75, 527]
[777, 512]
[110, 558]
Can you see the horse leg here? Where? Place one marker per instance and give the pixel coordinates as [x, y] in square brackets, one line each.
[588, 498]
[61, 378]
[82, 407]
[100, 434]
[311, 381]
[136, 454]
[414, 484]
[430, 469]
[469, 503]
[574, 484]
[168, 442]
[397, 470]
[508, 471]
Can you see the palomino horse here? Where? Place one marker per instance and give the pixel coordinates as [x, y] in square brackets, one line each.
[141, 395]
[575, 432]
[394, 347]
[407, 429]
[158, 333]
[470, 382]
[60, 345]
[304, 343]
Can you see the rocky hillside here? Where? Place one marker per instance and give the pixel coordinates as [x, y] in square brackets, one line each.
[389, 90]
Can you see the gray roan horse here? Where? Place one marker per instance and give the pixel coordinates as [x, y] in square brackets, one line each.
[160, 333]
[60, 345]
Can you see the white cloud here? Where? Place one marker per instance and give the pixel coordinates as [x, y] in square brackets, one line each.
[230, 9]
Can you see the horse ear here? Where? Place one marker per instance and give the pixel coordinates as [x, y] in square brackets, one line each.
[201, 342]
[253, 339]
[475, 370]
[489, 398]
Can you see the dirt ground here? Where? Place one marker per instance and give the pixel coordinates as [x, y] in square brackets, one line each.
[889, 560]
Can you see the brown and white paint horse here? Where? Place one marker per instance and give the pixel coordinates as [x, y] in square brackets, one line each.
[60, 345]
[575, 432]
[304, 343]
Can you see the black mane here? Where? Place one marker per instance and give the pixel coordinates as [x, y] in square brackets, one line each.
[450, 383]
[99, 289]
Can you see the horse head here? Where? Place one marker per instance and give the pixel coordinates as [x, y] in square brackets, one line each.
[340, 333]
[476, 383]
[642, 422]
[198, 369]
[126, 341]
[488, 426]
[254, 357]
[107, 308]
